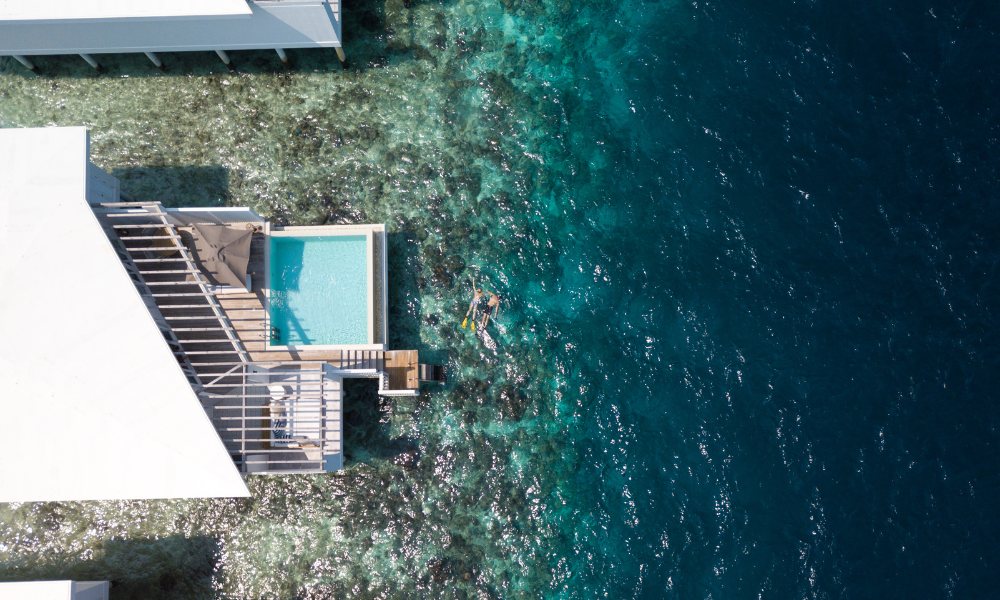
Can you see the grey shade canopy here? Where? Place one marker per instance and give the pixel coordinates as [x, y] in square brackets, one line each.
[222, 252]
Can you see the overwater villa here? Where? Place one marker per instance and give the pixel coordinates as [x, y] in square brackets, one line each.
[92, 27]
[155, 352]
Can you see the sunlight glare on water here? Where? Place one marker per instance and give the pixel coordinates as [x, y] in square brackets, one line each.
[748, 258]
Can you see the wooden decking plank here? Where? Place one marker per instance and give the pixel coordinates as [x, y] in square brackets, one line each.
[246, 315]
[401, 366]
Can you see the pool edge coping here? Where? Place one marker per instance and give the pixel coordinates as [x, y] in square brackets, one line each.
[370, 230]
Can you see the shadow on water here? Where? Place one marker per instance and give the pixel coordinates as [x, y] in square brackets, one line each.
[404, 310]
[366, 428]
[176, 186]
[370, 42]
[181, 64]
[409, 280]
[171, 567]
[287, 263]
[366, 39]
[416, 266]
[363, 20]
[288, 253]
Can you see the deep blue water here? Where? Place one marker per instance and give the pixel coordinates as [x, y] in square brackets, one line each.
[796, 389]
[749, 258]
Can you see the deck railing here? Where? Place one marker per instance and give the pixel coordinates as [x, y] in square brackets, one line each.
[273, 416]
[276, 417]
[177, 293]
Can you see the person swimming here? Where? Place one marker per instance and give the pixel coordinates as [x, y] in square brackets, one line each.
[493, 306]
[477, 300]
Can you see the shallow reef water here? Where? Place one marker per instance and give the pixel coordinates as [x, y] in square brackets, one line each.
[449, 127]
[748, 256]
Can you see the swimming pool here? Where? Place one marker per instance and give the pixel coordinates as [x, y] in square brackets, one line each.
[320, 287]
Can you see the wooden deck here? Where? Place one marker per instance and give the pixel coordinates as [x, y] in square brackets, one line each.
[209, 332]
[219, 342]
[401, 367]
[247, 316]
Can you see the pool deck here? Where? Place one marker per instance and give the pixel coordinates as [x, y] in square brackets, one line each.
[376, 272]
[207, 330]
[248, 318]
[218, 339]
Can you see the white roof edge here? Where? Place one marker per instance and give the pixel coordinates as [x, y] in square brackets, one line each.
[162, 340]
[59, 589]
[94, 372]
[74, 10]
[278, 24]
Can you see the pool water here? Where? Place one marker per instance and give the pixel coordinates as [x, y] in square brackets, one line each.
[319, 290]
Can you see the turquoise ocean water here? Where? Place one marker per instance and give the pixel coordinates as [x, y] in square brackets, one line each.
[319, 290]
[748, 254]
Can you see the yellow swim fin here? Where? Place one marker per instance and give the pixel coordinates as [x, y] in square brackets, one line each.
[465, 322]
[473, 326]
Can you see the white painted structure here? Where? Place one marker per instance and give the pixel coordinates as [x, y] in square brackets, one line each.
[87, 27]
[377, 302]
[218, 215]
[60, 10]
[54, 590]
[312, 425]
[95, 404]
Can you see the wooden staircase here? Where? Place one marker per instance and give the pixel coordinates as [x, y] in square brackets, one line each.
[177, 294]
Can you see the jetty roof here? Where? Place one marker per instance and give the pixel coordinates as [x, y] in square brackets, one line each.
[54, 590]
[285, 24]
[95, 404]
[58, 10]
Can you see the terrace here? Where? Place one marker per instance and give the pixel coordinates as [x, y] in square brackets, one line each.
[87, 27]
[220, 339]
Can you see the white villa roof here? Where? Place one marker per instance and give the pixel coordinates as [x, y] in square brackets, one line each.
[54, 590]
[59, 10]
[94, 404]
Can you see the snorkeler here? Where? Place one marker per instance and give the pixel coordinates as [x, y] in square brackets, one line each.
[474, 305]
[492, 306]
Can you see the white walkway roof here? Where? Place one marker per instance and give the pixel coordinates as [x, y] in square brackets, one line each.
[54, 590]
[58, 10]
[286, 24]
[94, 403]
